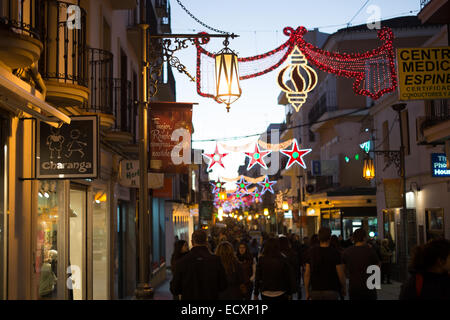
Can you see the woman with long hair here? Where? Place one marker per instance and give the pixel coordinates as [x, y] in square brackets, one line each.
[274, 277]
[233, 270]
[180, 249]
[430, 272]
[248, 262]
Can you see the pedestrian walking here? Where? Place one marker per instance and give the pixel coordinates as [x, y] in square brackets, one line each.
[254, 248]
[181, 248]
[357, 259]
[430, 272]
[334, 243]
[292, 257]
[324, 268]
[199, 275]
[248, 262]
[386, 261]
[236, 288]
[274, 277]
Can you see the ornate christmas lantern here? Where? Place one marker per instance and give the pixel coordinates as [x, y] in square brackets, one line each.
[369, 169]
[227, 76]
[297, 85]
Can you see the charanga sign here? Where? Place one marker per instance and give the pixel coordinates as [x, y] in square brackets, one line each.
[70, 151]
[423, 73]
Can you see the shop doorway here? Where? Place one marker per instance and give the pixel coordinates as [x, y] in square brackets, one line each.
[122, 208]
[77, 242]
[434, 219]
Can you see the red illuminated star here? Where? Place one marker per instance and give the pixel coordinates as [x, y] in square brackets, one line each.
[267, 185]
[215, 157]
[295, 155]
[256, 157]
[217, 186]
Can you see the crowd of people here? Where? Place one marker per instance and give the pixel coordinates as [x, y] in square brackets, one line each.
[230, 264]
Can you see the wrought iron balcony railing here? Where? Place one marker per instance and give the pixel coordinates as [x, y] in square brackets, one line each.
[64, 58]
[437, 111]
[100, 80]
[21, 16]
[125, 111]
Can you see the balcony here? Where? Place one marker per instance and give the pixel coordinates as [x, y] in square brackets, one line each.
[162, 8]
[63, 63]
[435, 126]
[434, 11]
[125, 114]
[101, 87]
[319, 109]
[20, 44]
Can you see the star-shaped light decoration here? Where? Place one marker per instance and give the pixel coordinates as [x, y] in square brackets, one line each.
[242, 185]
[215, 157]
[256, 195]
[296, 155]
[238, 195]
[256, 157]
[267, 185]
[217, 186]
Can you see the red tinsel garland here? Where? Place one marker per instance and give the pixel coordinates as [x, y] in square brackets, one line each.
[342, 64]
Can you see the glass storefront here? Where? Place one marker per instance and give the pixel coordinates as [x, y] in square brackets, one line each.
[100, 257]
[50, 211]
[77, 244]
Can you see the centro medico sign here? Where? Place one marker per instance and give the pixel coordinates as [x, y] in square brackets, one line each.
[423, 73]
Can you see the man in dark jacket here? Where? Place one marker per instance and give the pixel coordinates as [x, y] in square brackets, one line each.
[200, 274]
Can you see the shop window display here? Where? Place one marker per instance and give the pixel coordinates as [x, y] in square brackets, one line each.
[46, 257]
[100, 245]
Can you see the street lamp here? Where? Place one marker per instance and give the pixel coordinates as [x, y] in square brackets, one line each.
[369, 169]
[266, 212]
[285, 206]
[227, 76]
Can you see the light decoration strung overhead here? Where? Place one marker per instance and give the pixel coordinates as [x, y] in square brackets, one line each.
[374, 71]
[215, 157]
[267, 185]
[227, 76]
[256, 195]
[242, 186]
[217, 186]
[296, 87]
[296, 155]
[256, 157]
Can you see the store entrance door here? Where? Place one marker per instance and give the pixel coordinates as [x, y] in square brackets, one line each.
[122, 207]
[77, 242]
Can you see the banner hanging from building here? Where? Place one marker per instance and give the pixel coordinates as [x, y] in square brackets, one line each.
[70, 151]
[423, 73]
[170, 136]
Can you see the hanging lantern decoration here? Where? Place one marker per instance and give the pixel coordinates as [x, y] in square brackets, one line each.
[227, 76]
[296, 87]
[369, 169]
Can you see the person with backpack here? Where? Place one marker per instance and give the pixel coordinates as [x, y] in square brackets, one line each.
[324, 270]
[430, 272]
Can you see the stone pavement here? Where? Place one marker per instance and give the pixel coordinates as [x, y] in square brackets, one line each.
[387, 291]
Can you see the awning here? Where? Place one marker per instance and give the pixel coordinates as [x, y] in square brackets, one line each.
[17, 94]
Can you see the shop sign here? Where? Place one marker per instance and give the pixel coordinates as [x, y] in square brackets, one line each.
[423, 73]
[393, 193]
[167, 142]
[439, 165]
[129, 175]
[70, 151]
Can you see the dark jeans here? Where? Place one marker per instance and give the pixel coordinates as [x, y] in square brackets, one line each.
[324, 295]
[386, 272]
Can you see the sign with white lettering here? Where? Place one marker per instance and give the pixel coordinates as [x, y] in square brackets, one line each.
[70, 151]
[423, 73]
[129, 175]
[439, 165]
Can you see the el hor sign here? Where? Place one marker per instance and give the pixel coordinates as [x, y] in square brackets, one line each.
[70, 151]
